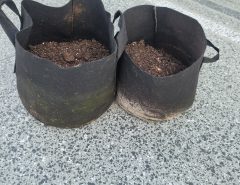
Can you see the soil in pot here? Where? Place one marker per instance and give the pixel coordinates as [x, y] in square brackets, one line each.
[156, 62]
[70, 53]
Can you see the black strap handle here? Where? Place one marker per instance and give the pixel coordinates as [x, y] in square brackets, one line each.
[216, 57]
[121, 36]
[117, 15]
[9, 28]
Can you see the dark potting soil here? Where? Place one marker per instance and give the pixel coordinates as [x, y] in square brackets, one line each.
[70, 53]
[156, 62]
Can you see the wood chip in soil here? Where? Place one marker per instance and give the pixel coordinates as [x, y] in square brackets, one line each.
[156, 62]
[70, 53]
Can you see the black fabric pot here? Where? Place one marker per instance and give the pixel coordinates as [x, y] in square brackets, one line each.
[61, 97]
[147, 96]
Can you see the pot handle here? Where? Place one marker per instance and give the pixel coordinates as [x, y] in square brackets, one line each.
[121, 36]
[9, 28]
[117, 15]
[216, 57]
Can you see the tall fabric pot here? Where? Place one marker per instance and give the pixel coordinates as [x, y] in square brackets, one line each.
[151, 97]
[63, 97]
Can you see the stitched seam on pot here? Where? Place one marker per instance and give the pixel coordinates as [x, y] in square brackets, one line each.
[72, 17]
[155, 18]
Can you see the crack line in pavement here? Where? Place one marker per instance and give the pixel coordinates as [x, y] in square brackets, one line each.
[220, 8]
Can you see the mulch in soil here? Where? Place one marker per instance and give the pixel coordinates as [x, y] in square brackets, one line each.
[156, 62]
[70, 53]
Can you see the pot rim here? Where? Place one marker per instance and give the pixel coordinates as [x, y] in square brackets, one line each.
[188, 67]
[47, 61]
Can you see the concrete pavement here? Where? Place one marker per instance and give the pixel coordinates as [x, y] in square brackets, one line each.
[202, 146]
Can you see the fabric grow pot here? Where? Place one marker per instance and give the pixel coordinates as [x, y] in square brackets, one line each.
[63, 97]
[151, 97]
